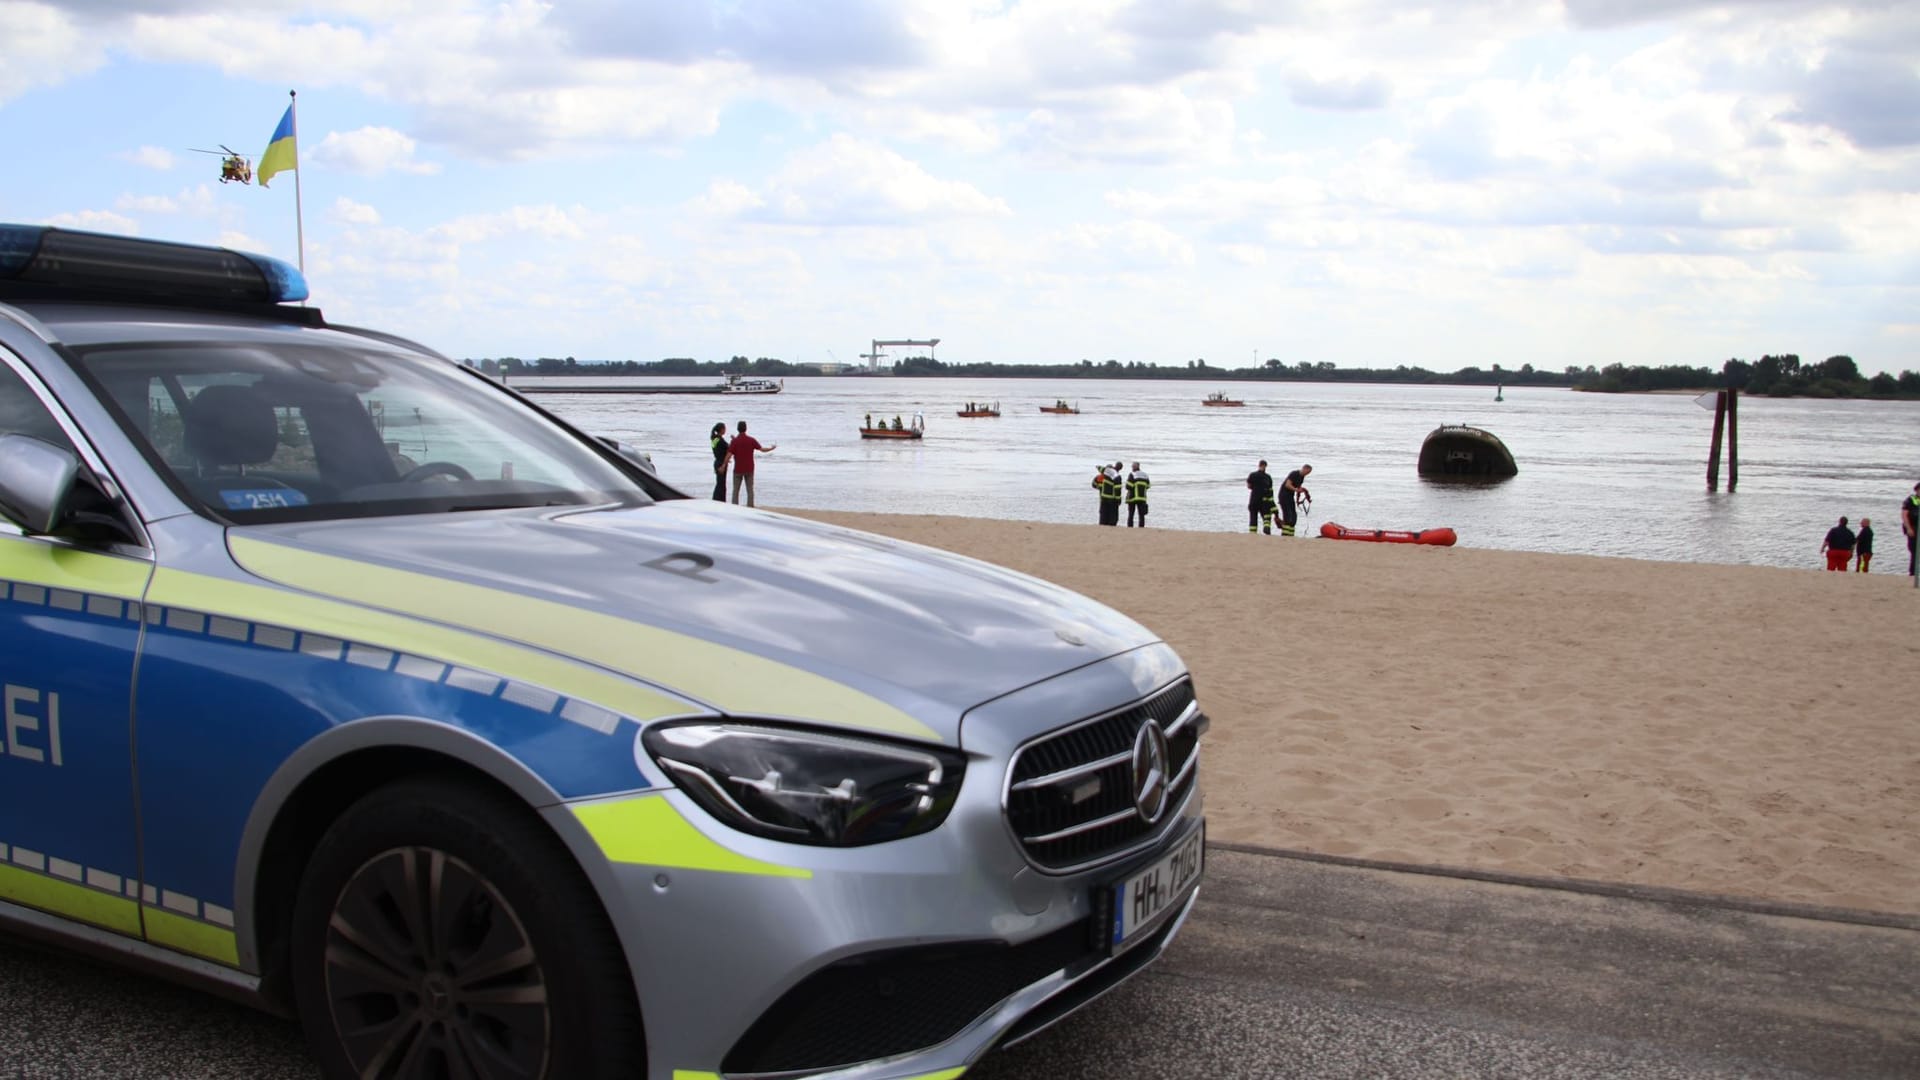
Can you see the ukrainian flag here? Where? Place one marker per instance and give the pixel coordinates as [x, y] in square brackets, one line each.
[281, 156]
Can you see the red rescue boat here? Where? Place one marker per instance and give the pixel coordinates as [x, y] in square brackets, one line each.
[1431, 537]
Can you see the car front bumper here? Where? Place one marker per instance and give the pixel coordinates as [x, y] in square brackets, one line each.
[897, 961]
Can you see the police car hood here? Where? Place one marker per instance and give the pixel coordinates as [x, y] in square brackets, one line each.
[716, 604]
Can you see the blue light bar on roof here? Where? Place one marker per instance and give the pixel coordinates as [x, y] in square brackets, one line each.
[98, 262]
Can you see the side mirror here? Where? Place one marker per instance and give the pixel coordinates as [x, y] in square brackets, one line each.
[630, 452]
[37, 482]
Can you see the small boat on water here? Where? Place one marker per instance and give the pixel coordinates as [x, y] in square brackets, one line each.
[1460, 452]
[1062, 408]
[979, 408]
[913, 430]
[1429, 537]
[1219, 398]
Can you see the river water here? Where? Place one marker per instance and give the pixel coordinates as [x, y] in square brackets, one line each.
[1600, 474]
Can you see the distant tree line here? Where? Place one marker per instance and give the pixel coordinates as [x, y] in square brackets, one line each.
[1774, 376]
[1271, 371]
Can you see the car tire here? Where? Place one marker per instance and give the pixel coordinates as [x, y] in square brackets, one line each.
[442, 931]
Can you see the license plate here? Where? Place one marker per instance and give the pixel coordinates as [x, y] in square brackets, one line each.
[1141, 901]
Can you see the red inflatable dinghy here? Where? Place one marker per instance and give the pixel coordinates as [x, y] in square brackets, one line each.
[1433, 537]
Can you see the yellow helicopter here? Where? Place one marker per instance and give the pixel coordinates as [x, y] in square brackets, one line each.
[234, 168]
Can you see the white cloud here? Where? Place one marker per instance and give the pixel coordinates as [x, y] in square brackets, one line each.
[348, 212]
[147, 204]
[1159, 126]
[846, 181]
[1244, 254]
[43, 47]
[548, 221]
[96, 221]
[369, 151]
[1127, 246]
[241, 241]
[151, 157]
[727, 198]
[1344, 90]
[664, 175]
[496, 81]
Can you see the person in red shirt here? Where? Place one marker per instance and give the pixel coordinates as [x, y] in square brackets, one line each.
[1839, 546]
[741, 450]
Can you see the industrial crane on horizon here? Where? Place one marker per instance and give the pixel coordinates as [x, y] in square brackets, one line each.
[873, 358]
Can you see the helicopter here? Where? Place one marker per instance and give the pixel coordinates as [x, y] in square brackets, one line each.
[234, 167]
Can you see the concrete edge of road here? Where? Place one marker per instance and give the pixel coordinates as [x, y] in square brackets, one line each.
[1650, 893]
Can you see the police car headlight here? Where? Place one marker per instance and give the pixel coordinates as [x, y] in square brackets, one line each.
[806, 787]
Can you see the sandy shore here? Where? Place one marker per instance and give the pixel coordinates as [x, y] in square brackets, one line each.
[1743, 730]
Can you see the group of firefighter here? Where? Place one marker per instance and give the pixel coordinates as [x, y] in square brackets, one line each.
[1292, 496]
[1265, 501]
[1114, 490]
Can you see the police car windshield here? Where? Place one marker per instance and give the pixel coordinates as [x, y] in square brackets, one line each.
[300, 432]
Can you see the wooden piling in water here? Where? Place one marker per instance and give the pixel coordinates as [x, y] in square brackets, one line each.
[1713, 453]
[1733, 439]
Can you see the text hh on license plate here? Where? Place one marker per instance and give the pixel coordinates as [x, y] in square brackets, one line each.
[1140, 901]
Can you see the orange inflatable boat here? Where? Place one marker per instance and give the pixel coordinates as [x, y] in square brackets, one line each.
[1432, 537]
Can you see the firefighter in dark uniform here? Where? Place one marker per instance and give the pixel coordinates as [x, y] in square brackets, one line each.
[1910, 524]
[1293, 491]
[1100, 482]
[1137, 485]
[1260, 500]
[1107, 483]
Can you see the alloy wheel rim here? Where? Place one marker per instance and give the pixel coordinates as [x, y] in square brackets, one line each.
[430, 974]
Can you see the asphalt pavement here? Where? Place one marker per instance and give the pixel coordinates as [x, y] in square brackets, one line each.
[1289, 967]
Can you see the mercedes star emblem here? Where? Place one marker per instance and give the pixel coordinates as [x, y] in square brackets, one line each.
[1150, 772]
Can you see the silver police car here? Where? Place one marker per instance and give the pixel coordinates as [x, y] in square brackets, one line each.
[342, 679]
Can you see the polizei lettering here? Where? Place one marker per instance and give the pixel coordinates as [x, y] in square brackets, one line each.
[32, 725]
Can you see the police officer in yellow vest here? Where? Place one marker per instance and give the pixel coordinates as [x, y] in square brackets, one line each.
[1137, 485]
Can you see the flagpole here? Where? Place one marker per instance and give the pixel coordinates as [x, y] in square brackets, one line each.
[299, 220]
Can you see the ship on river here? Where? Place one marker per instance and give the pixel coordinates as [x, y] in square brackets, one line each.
[733, 383]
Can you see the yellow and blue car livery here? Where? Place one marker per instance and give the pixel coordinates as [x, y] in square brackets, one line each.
[343, 680]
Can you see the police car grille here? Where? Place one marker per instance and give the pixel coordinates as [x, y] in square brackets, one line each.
[883, 1004]
[1070, 799]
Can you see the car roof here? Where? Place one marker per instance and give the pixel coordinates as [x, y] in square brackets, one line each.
[92, 322]
[85, 323]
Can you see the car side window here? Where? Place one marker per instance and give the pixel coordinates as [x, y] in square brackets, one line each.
[22, 413]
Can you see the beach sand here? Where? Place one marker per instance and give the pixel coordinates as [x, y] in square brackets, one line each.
[1750, 731]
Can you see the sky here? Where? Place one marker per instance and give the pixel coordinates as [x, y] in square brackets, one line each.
[1363, 182]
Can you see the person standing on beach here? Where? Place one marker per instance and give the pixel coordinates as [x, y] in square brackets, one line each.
[1863, 546]
[1260, 500]
[720, 462]
[742, 449]
[1137, 485]
[1839, 546]
[1294, 488]
[1107, 483]
[1910, 525]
